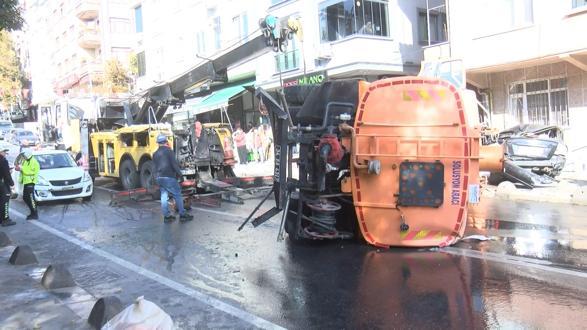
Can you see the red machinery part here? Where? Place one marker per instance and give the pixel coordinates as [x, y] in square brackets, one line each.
[336, 151]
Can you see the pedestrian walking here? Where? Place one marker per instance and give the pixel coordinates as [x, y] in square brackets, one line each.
[29, 176]
[240, 140]
[259, 137]
[268, 141]
[250, 144]
[6, 185]
[167, 170]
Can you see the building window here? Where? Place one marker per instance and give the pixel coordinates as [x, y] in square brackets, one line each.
[141, 64]
[579, 3]
[241, 26]
[200, 42]
[217, 33]
[139, 19]
[543, 101]
[121, 54]
[119, 25]
[290, 59]
[502, 15]
[432, 21]
[341, 19]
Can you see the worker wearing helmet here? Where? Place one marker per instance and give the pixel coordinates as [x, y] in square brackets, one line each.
[29, 176]
[167, 170]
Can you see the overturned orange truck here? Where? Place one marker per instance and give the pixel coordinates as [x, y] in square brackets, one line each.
[394, 162]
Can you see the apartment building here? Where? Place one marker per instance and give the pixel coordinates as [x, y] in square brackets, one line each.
[172, 37]
[340, 39]
[69, 43]
[367, 39]
[526, 59]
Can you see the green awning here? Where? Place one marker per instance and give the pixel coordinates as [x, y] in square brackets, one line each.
[217, 100]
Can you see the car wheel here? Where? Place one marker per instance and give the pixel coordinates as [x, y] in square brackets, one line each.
[129, 177]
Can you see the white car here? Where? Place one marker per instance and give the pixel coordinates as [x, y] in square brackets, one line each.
[59, 178]
[5, 127]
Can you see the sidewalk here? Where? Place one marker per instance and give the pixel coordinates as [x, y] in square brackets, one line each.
[27, 305]
[254, 169]
[567, 191]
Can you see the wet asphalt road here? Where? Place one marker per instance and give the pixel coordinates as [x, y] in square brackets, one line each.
[533, 275]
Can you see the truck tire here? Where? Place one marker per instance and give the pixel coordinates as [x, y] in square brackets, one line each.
[147, 175]
[291, 226]
[129, 177]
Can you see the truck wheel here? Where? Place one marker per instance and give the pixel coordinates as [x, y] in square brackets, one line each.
[147, 176]
[128, 175]
[291, 226]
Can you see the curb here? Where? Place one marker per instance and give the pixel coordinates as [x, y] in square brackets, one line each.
[563, 193]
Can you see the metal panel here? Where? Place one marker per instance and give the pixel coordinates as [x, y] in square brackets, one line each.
[421, 184]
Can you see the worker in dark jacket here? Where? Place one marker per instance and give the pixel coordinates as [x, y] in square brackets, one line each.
[167, 170]
[6, 184]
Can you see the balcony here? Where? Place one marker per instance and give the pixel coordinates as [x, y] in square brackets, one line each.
[89, 38]
[87, 9]
[530, 45]
[90, 68]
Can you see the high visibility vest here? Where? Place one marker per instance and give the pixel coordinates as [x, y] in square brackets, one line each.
[29, 171]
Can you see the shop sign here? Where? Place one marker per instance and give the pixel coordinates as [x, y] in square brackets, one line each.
[315, 78]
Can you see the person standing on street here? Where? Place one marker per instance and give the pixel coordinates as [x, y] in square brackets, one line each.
[167, 170]
[239, 138]
[5, 189]
[29, 176]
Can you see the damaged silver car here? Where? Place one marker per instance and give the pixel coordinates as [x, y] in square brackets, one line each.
[534, 155]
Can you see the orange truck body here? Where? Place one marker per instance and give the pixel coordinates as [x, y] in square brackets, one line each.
[417, 130]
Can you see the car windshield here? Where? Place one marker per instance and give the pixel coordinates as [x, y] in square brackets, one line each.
[50, 161]
[24, 133]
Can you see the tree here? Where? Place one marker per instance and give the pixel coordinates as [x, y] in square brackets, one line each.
[10, 15]
[10, 74]
[116, 76]
[133, 64]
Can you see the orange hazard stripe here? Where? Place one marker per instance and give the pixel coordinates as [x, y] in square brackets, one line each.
[423, 94]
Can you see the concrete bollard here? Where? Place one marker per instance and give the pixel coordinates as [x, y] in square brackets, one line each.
[23, 255]
[505, 188]
[57, 277]
[4, 239]
[104, 309]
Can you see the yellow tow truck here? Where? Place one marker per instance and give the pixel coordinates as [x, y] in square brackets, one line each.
[126, 153]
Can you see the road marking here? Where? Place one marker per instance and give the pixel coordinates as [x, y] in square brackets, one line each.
[513, 260]
[202, 297]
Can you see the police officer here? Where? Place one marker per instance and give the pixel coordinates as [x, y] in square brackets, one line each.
[29, 176]
[6, 184]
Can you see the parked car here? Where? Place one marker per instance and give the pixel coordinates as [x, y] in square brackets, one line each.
[59, 177]
[24, 138]
[539, 149]
[5, 127]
